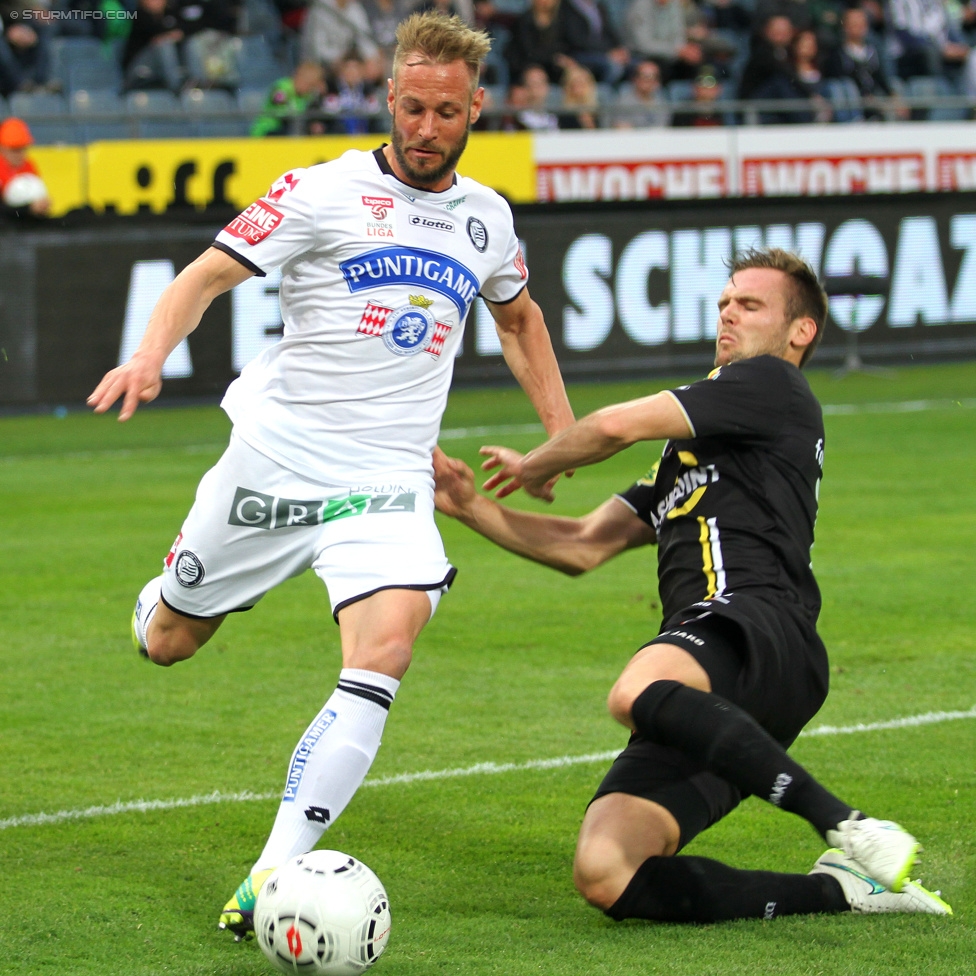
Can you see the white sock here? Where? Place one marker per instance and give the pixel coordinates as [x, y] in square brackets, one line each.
[146, 604]
[329, 763]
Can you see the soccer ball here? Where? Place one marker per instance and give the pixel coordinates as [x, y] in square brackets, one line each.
[323, 912]
[23, 190]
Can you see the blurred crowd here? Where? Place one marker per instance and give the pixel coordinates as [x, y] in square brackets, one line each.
[555, 64]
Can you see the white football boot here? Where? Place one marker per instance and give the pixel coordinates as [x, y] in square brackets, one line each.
[868, 896]
[145, 610]
[885, 850]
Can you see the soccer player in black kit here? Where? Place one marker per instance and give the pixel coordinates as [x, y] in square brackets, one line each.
[737, 669]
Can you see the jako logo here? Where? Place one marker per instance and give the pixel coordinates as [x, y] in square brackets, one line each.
[779, 788]
[431, 223]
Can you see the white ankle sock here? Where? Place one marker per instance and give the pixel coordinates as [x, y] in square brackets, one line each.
[146, 604]
[329, 763]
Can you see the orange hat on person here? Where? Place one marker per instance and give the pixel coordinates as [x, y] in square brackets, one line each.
[14, 134]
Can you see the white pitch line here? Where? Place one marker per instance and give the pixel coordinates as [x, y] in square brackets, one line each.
[497, 430]
[479, 769]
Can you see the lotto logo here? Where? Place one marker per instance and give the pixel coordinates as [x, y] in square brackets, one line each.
[379, 206]
[255, 223]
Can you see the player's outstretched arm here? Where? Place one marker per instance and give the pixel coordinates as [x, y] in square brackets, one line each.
[176, 315]
[571, 545]
[594, 438]
[527, 349]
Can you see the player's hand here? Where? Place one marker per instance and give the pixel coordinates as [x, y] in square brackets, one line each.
[509, 478]
[136, 382]
[453, 485]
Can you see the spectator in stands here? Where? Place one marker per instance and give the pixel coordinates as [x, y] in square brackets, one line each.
[21, 187]
[727, 15]
[529, 104]
[384, 17]
[337, 28]
[290, 97]
[591, 39]
[806, 78]
[449, 8]
[537, 39]
[640, 103]
[580, 101]
[707, 90]
[25, 50]
[210, 46]
[152, 56]
[351, 99]
[927, 43]
[857, 58]
[658, 29]
[768, 68]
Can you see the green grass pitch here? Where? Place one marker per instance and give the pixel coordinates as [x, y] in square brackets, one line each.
[515, 667]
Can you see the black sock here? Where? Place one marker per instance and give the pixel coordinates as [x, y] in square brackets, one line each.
[696, 889]
[731, 744]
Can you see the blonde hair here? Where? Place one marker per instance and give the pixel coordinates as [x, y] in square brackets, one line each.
[432, 38]
[587, 98]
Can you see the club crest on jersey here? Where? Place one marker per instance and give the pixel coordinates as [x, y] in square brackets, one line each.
[406, 330]
[381, 219]
[255, 223]
[414, 266]
[478, 234]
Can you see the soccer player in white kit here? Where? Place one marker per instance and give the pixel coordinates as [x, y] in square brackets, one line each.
[329, 462]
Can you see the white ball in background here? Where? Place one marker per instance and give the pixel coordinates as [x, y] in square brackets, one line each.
[23, 190]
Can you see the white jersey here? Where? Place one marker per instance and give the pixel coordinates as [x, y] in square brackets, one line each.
[376, 281]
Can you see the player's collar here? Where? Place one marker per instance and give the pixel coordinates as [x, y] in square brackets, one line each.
[412, 191]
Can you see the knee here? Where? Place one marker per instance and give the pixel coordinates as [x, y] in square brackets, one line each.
[621, 699]
[598, 884]
[391, 656]
[602, 868]
[170, 647]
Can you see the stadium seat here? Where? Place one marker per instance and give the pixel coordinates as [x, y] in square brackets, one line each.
[259, 67]
[159, 115]
[152, 103]
[99, 115]
[4, 108]
[99, 73]
[251, 100]
[844, 98]
[97, 103]
[213, 112]
[37, 105]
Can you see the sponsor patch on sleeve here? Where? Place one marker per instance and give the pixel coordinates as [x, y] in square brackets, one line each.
[255, 223]
[282, 185]
[519, 263]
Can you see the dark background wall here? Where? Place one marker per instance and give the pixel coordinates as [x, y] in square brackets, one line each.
[626, 288]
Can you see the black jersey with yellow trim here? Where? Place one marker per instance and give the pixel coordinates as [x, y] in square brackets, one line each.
[734, 506]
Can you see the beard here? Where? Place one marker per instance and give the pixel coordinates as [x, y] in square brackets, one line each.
[428, 176]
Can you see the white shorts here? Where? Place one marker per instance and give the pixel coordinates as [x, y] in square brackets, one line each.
[255, 524]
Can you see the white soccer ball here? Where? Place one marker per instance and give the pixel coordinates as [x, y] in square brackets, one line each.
[23, 190]
[323, 912]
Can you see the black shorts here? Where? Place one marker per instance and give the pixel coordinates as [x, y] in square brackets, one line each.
[763, 659]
